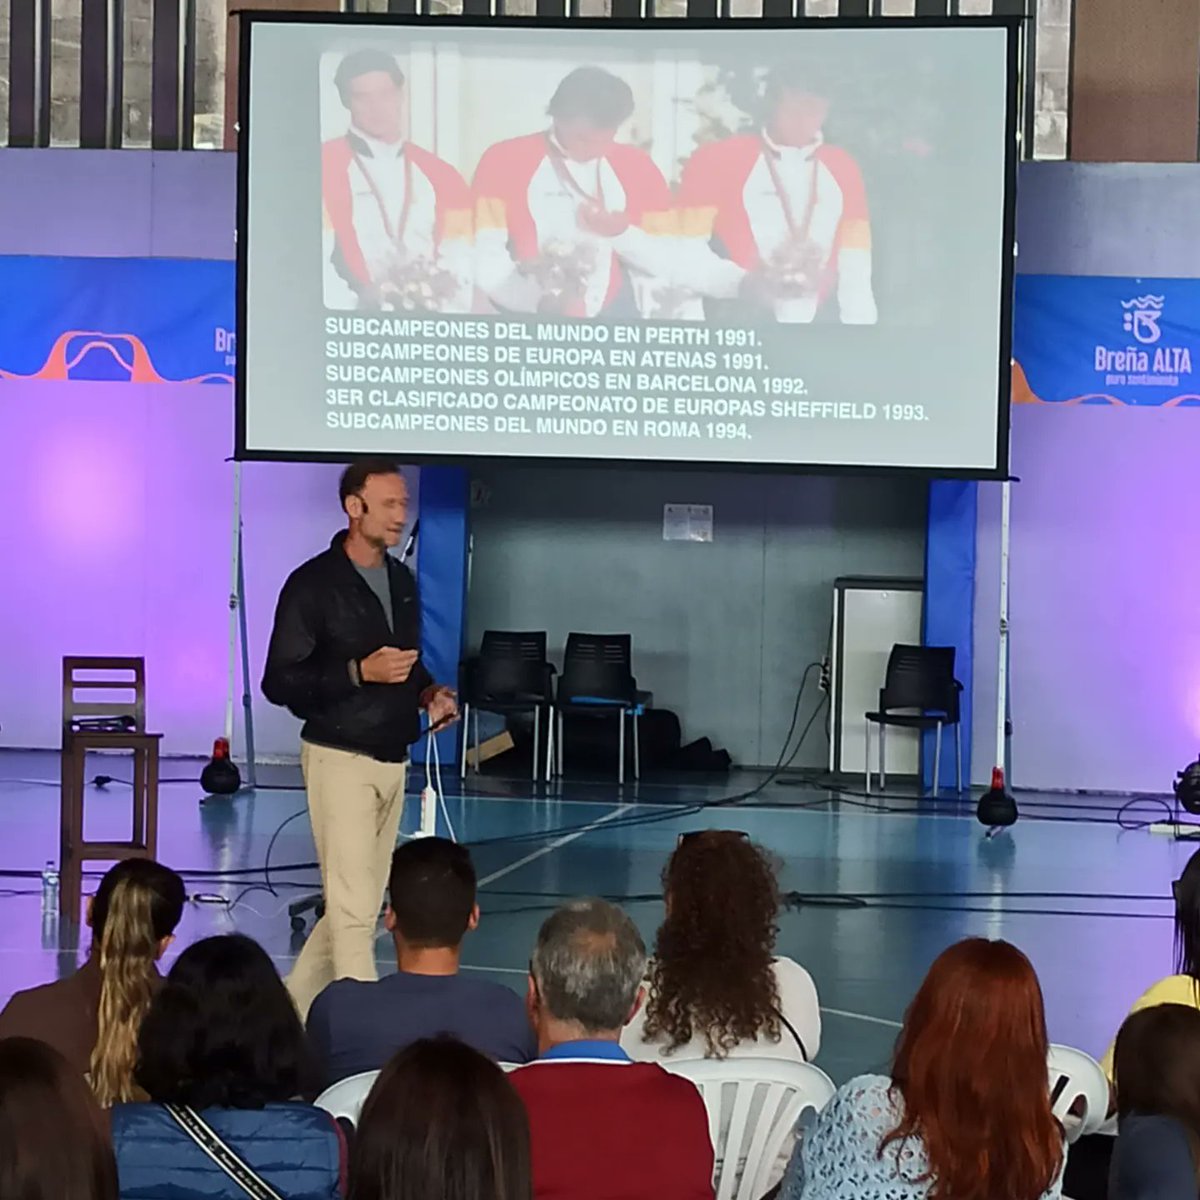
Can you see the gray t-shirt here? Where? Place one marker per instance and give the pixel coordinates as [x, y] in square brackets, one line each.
[378, 582]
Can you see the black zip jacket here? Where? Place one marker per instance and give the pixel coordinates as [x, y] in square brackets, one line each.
[326, 618]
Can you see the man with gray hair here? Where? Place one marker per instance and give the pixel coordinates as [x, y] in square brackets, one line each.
[601, 1124]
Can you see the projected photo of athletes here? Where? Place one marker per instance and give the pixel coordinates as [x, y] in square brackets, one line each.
[662, 188]
[756, 244]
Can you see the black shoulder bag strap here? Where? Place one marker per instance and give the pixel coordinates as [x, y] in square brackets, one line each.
[228, 1160]
[792, 1030]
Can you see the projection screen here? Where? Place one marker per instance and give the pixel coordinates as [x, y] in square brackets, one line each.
[746, 243]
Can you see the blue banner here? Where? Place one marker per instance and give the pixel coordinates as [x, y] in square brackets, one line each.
[442, 563]
[1101, 340]
[950, 611]
[135, 320]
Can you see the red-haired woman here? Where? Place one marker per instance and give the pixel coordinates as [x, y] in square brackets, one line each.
[966, 1114]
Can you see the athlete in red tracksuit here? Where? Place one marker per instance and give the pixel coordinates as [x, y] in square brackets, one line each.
[779, 217]
[397, 219]
[569, 220]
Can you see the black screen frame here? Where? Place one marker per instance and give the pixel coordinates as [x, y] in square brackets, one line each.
[1011, 24]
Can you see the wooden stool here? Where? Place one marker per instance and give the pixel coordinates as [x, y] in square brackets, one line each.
[93, 724]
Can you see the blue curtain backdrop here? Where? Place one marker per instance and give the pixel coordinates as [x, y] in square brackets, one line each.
[442, 565]
[950, 605]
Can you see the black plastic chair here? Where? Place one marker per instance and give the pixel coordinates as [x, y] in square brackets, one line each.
[919, 692]
[510, 674]
[597, 681]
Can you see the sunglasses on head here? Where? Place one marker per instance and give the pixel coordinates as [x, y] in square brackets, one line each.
[715, 834]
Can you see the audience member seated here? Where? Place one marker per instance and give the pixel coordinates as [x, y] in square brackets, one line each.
[441, 1123]
[1158, 1098]
[53, 1140]
[1090, 1170]
[357, 1026]
[602, 1125]
[966, 1113]
[716, 987]
[1184, 986]
[223, 1048]
[92, 1017]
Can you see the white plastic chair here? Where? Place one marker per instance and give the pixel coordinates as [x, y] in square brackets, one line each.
[344, 1100]
[753, 1107]
[1080, 1080]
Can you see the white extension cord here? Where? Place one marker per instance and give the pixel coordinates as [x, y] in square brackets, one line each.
[432, 794]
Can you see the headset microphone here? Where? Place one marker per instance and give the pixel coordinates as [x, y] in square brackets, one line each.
[411, 544]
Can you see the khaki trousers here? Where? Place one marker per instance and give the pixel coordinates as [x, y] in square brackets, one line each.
[355, 803]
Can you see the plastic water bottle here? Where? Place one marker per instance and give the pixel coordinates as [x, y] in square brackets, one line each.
[49, 887]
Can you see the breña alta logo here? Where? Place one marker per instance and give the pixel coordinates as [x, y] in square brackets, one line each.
[1141, 318]
[1144, 361]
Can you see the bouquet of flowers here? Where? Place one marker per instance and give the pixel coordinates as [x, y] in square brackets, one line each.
[794, 270]
[415, 284]
[561, 270]
[668, 301]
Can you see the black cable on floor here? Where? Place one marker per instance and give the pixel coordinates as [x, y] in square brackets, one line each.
[1136, 826]
[832, 793]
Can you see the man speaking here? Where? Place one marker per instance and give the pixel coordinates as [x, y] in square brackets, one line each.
[345, 658]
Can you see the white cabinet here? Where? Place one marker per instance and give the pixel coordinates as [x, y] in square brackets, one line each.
[870, 616]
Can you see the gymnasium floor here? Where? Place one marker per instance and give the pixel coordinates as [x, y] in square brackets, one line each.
[881, 889]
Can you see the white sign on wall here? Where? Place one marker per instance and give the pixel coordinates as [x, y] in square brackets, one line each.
[687, 522]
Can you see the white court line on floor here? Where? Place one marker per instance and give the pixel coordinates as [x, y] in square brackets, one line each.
[833, 1012]
[533, 856]
[841, 1012]
[570, 837]
[814, 808]
[557, 844]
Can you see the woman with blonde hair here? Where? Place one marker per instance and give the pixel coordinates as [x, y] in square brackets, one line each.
[93, 1016]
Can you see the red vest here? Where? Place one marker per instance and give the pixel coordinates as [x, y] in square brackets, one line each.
[602, 1129]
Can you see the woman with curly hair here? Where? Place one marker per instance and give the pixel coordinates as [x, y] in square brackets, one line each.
[716, 987]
